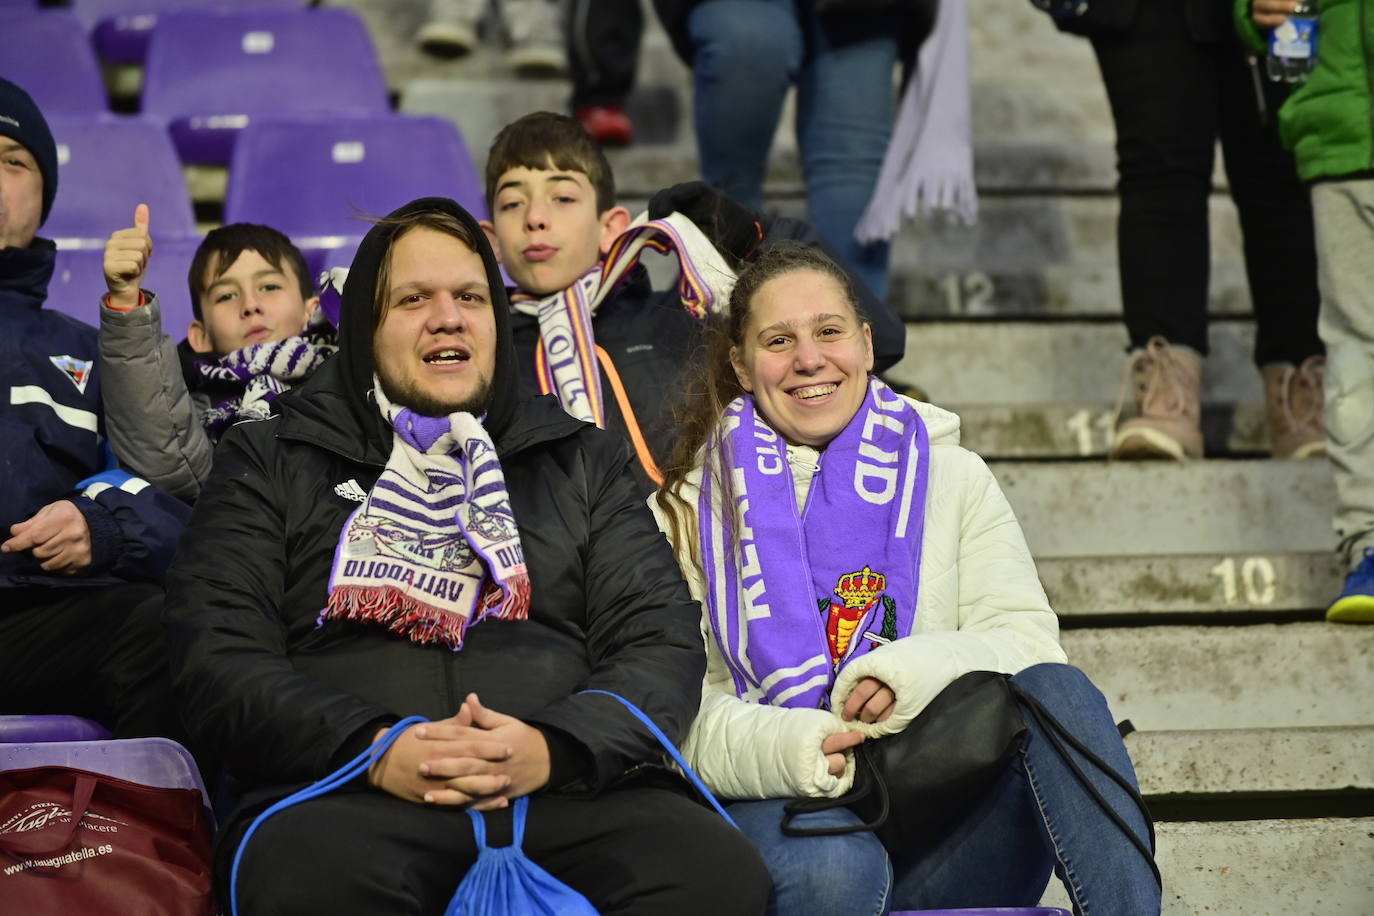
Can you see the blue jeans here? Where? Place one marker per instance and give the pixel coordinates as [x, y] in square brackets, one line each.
[746, 54]
[845, 875]
[1038, 818]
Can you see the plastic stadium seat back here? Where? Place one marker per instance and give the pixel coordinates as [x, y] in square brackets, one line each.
[158, 762]
[108, 165]
[989, 911]
[78, 284]
[313, 179]
[37, 729]
[48, 53]
[209, 72]
[121, 27]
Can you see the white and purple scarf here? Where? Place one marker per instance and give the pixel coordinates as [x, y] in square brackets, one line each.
[792, 597]
[928, 165]
[566, 361]
[254, 375]
[434, 548]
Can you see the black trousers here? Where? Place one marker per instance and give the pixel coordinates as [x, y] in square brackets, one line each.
[1172, 96]
[630, 851]
[603, 50]
[96, 651]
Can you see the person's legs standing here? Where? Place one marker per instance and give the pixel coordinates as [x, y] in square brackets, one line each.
[1280, 254]
[844, 875]
[1162, 86]
[746, 54]
[603, 50]
[1344, 217]
[844, 122]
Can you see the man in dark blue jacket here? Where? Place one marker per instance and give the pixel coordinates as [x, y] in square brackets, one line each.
[83, 546]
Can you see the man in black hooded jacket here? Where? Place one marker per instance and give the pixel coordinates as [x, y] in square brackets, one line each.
[286, 691]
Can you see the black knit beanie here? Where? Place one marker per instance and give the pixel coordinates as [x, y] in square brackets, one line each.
[21, 120]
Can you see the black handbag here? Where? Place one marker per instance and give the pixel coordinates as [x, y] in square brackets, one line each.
[909, 788]
[917, 783]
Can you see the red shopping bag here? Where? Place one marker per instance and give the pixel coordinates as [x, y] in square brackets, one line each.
[72, 841]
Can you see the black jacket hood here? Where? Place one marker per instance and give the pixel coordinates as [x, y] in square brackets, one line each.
[343, 385]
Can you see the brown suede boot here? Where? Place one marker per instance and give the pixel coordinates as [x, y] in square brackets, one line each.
[1168, 420]
[1293, 402]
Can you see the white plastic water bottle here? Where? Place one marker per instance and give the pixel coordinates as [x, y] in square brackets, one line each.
[1293, 45]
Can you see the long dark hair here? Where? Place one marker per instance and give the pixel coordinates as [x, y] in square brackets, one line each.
[713, 384]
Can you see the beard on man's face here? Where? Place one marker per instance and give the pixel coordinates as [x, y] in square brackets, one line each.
[408, 394]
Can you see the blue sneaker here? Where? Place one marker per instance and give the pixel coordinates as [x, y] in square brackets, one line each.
[1356, 601]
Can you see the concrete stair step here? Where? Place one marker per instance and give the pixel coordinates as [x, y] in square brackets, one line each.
[1038, 255]
[1094, 509]
[1065, 362]
[1142, 589]
[1262, 868]
[1250, 761]
[1263, 676]
[1084, 430]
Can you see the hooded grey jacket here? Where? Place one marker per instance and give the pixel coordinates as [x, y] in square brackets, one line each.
[152, 418]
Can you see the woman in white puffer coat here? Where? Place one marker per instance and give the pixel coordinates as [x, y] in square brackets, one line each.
[870, 561]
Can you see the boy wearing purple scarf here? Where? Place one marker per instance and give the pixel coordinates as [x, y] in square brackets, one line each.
[257, 331]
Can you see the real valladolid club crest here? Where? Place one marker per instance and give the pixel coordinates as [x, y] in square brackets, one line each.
[858, 593]
[78, 370]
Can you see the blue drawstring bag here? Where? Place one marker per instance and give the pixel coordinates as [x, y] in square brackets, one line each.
[503, 881]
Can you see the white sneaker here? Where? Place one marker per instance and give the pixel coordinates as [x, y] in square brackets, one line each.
[451, 30]
[537, 45]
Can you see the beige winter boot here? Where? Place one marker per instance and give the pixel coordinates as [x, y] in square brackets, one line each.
[1293, 402]
[1168, 417]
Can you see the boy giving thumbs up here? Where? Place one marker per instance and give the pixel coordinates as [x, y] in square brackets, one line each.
[256, 333]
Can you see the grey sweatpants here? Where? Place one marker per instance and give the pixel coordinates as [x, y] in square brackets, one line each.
[1343, 212]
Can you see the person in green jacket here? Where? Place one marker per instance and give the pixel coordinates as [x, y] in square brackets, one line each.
[1328, 123]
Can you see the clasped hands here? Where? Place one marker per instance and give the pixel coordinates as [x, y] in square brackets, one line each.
[870, 701]
[478, 758]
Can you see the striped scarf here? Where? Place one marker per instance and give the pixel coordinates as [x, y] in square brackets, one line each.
[566, 361]
[793, 597]
[254, 375]
[434, 548]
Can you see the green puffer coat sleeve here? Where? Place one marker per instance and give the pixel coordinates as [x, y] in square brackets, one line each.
[1328, 121]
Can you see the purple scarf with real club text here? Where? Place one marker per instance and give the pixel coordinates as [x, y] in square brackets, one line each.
[794, 598]
[434, 548]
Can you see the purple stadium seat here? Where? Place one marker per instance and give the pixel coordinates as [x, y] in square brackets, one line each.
[78, 283]
[107, 166]
[121, 27]
[208, 73]
[312, 179]
[48, 54]
[990, 911]
[37, 729]
[149, 761]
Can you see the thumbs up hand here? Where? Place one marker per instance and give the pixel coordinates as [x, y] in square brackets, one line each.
[126, 260]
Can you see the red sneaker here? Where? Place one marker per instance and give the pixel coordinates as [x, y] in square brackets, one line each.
[608, 125]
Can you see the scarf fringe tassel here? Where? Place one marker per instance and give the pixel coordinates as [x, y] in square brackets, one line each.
[399, 613]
